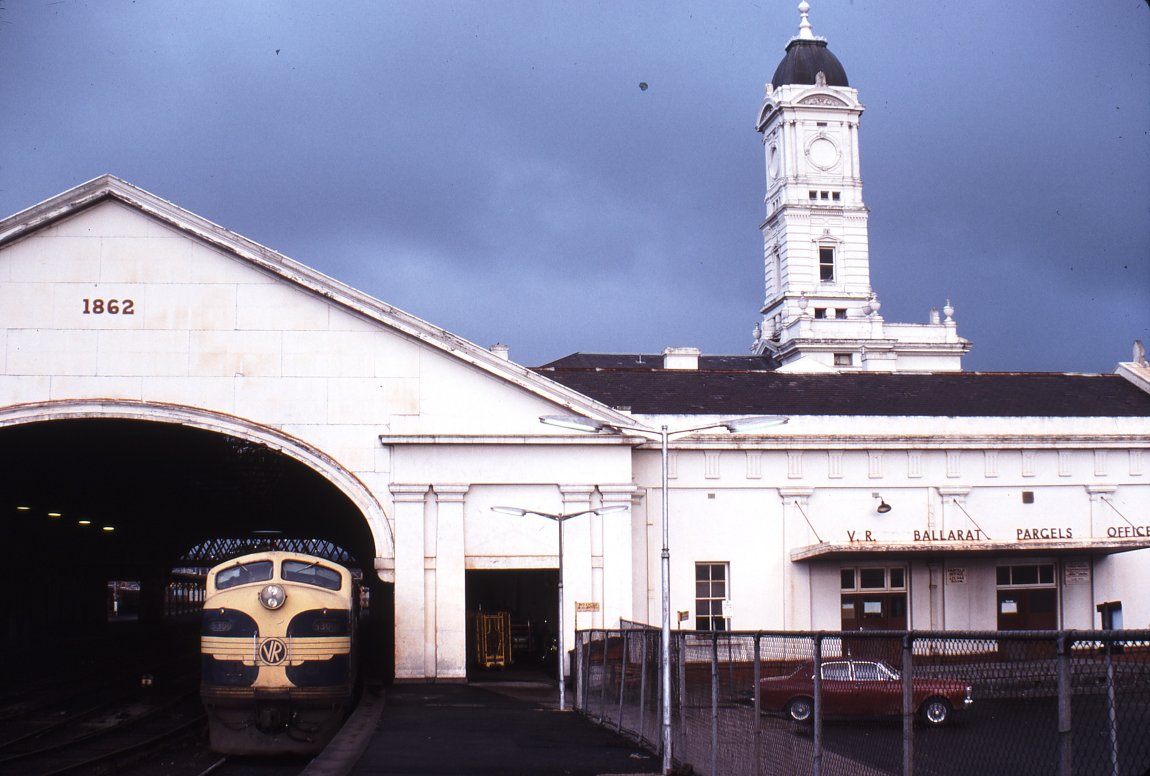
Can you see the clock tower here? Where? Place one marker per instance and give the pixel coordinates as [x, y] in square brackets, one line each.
[819, 311]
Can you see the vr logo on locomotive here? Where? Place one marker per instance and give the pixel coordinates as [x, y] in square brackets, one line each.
[272, 651]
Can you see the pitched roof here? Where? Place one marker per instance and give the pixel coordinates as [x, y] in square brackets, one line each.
[946, 394]
[110, 188]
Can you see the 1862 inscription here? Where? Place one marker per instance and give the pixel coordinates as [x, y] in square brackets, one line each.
[109, 307]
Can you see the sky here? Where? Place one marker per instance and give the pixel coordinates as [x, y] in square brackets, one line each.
[496, 169]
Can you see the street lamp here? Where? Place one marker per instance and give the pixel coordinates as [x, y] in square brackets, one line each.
[560, 518]
[733, 425]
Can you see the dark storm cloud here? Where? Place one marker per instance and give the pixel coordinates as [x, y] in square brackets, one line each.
[496, 168]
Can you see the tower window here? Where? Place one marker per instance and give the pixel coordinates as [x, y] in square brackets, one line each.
[836, 196]
[812, 195]
[843, 359]
[826, 263]
[824, 194]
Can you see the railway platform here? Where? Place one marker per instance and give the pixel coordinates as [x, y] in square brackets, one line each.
[499, 728]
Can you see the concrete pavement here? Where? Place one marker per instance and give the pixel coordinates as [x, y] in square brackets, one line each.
[479, 729]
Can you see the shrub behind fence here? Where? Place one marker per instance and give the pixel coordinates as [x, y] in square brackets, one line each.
[1072, 703]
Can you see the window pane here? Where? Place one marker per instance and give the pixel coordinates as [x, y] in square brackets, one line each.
[1004, 575]
[898, 578]
[702, 589]
[243, 573]
[311, 573]
[1046, 574]
[1025, 575]
[702, 571]
[848, 579]
[872, 578]
[839, 671]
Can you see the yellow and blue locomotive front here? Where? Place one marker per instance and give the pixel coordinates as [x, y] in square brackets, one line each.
[277, 650]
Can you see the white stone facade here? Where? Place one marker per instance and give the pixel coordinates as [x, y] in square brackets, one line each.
[114, 303]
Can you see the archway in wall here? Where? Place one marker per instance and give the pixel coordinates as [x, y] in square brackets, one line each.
[87, 501]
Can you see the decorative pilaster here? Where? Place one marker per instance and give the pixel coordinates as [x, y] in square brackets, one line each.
[619, 554]
[797, 576]
[1101, 514]
[954, 509]
[410, 602]
[578, 551]
[447, 573]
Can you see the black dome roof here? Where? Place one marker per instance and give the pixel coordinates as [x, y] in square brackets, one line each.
[806, 58]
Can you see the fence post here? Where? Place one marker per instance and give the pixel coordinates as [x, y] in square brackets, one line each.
[646, 634]
[1111, 705]
[1065, 763]
[606, 641]
[907, 704]
[758, 675]
[714, 702]
[578, 671]
[679, 658]
[817, 757]
[623, 676]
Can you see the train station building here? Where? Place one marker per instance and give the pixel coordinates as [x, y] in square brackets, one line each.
[165, 382]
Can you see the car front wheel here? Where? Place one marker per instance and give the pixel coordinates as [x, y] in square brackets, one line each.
[936, 711]
[801, 709]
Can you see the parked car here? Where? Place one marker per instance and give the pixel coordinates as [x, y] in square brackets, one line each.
[861, 688]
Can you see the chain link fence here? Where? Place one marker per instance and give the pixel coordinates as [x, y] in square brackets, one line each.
[862, 703]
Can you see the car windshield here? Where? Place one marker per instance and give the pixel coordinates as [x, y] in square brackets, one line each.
[243, 573]
[311, 573]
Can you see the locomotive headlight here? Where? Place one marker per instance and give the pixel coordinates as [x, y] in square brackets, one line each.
[273, 596]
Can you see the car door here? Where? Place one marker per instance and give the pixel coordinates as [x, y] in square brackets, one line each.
[837, 687]
[876, 691]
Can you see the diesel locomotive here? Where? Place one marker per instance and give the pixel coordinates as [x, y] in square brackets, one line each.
[278, 653]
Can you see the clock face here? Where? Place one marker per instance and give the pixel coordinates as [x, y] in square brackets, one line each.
[823, 152]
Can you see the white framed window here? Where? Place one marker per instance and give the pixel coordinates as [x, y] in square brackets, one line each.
[826, 263]
[1027, 596]
[873, 597]
[711, 592]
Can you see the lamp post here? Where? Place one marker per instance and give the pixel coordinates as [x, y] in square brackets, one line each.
[560, 518]
[733, 425]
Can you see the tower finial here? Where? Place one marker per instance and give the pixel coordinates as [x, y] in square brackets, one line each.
[805, 24]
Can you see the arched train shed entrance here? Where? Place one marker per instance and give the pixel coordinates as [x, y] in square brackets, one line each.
[100, 491]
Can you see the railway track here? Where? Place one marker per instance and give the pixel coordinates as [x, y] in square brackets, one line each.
[100, 737]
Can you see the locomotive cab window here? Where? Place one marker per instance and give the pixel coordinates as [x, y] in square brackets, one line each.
[244, 573]
[311, 573]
